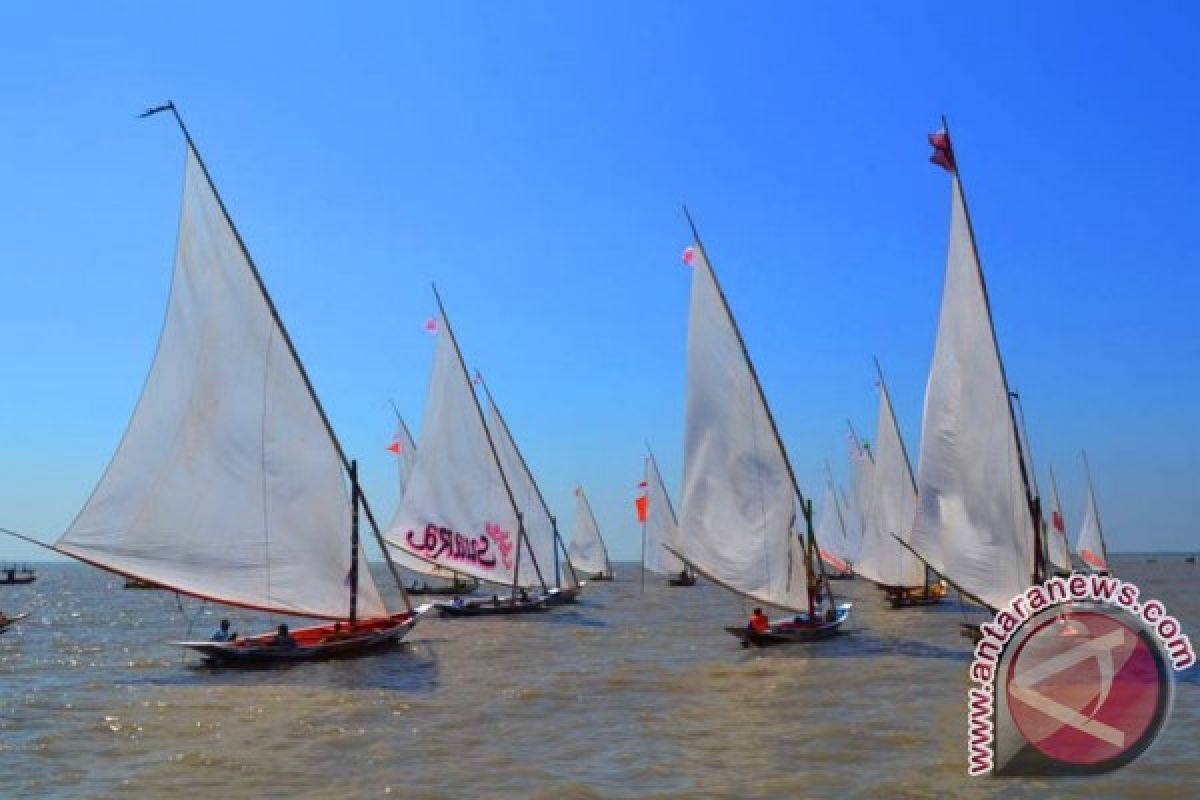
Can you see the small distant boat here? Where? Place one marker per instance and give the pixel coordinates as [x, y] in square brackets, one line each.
[229, 484]
[497, 606]
[1058, 551]
[587, 549]
[456, 588]
[748, 527]
[1190, 560]
[8, 622]
[13, 575]
[134, 583]
[1090, 545]
[660, 529]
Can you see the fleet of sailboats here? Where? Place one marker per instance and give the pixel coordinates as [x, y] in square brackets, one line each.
[230, 484]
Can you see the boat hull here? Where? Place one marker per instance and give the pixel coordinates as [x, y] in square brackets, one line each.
[443, 591]
[602, 577]
[679, 582]
[17, 580]
[486, 608]
[793, 634]
[914, 598]
[8, 623]
[562, 596]
[134, 583]
[317, 643]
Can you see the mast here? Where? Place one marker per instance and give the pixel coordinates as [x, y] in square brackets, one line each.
[533, 480]
[987, 305]
[354, 543]
[492, 447]
[737, 331]
[287, 339]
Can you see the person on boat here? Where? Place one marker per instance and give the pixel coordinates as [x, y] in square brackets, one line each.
[523, 596]
[283, 639]
[495, 600]
[758, 622]
[223, 634]
[457, 602]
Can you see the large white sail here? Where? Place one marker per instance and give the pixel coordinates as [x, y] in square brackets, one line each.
[227, 484]
[738, 511]
[973, 523]
[586, 547]
[406, 458]
[893, 501]
[1058, 550]
[1090, 544]
[539, 526]
[456, 511]
[661, 527]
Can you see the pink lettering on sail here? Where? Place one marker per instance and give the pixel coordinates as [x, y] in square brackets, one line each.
[503, 542]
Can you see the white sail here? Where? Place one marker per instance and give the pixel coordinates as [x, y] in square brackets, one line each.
[456, 511]
[1090, 544]
[1059, 550]
[738, 509]
[973, 523]
[226, 485]
[406, 459]
[861, 468]
[539, 526]
[586, 548]
[852, 519]
[661, 527]
[892, 503]
[831, 533]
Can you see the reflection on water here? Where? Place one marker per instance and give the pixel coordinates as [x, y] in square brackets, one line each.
[625, 695]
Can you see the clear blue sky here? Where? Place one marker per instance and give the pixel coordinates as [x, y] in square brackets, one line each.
[532, 158]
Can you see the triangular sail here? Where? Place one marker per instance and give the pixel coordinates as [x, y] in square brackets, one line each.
[973, 521]
[662, 526]
[738, 513]
[1090, 544]
[456, 511]
[227, 484]
[406, 459]
[539, 525]
[831, 533]
[892, 503]
[586, 547]
[1059, 550]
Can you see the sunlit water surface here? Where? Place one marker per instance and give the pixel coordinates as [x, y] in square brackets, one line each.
[628, 694]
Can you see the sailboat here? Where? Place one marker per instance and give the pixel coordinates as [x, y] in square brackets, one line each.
[541, 527]
[1057, 549]
[448, 582]
[835, 545]
[458, 511]
[587, 549]
[229, 484]
[1090, 544]
[660, 527]
[891, 502]
[741, 502]
[976, 517]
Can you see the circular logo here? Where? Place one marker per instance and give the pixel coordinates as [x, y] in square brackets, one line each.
[1088, 690]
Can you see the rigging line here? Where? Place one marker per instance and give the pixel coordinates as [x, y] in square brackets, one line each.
[262, 433]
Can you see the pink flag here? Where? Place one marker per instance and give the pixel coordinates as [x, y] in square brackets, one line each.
[477, 379]
[689, 255]
[642, 485]
[943, 155]
[431, 325]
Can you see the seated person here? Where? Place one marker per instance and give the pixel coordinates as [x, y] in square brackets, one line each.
[523, 596]
[283, 639]
[758, 622]
[223, 634]
[457, 602]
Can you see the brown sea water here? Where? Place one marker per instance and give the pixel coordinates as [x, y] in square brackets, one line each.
[625, 695]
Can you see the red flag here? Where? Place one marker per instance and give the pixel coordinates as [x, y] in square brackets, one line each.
[394, 447]
[1057, 521]
[689, 255]
[431, 325]
[642, 504]
[943, 154]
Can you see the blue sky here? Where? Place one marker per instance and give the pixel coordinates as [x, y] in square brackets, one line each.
[532, 159]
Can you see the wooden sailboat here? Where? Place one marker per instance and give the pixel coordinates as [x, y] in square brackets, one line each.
[229, 483]
[447, 582]
[741, 502]
[12, 575]
[587, 549]
[458, 511]
[660, 528]
[891, 503]
[976, 519]
[835, 546]
[1090, 544]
